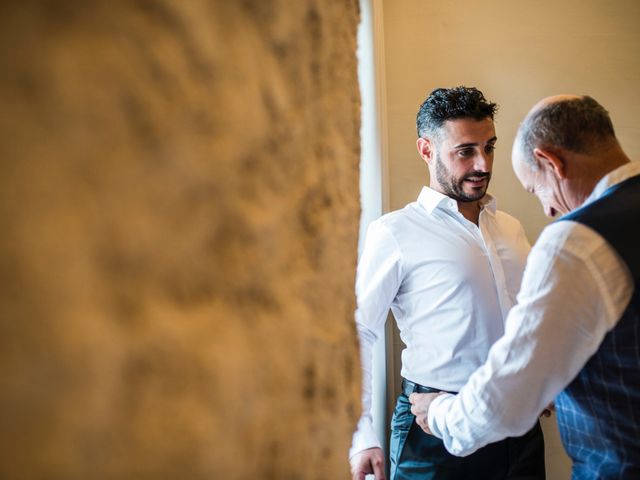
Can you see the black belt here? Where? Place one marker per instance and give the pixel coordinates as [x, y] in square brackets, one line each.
[409, 387]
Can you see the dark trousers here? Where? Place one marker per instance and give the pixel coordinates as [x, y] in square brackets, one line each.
[418, 456]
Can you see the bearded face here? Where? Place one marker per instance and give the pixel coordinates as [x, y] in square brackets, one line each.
[464, 187]
[462, 158]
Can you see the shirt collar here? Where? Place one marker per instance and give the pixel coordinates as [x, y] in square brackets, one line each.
[430, 199]
[614, 177]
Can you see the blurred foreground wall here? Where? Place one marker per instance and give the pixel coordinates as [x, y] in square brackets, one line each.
[178, 227]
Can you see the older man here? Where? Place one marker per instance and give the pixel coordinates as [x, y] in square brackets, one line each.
[574, 335]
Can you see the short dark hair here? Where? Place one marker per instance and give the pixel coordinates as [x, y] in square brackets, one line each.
[450, 104]
[574, 124]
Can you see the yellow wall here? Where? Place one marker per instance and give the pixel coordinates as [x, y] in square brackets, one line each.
[516, 52]
[178, 237]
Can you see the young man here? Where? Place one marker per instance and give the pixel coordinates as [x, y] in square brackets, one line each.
[449, 266]
[575, 334]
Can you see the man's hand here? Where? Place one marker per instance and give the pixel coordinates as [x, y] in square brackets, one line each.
[368, 461]
[420, 403]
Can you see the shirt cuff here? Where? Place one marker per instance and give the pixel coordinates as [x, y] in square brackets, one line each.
[436, 414]
[364, 437]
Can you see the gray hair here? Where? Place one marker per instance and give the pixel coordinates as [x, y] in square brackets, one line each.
[575, 124]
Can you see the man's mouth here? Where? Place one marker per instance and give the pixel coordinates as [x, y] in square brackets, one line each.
[477, 181]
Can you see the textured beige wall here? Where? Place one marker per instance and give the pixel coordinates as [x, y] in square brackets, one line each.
[179, 216]
[516, 52]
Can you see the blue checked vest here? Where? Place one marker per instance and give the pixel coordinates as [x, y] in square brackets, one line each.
[599, 412]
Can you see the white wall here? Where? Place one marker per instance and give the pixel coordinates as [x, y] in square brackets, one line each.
[516, 52]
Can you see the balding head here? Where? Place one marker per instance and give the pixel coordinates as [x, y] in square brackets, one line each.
[575, 123]
[564, 146]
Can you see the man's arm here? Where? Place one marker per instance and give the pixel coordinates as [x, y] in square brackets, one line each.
[573, 292]
[421, 402]
[378, 279]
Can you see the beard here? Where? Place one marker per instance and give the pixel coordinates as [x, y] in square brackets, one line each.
[453, 187]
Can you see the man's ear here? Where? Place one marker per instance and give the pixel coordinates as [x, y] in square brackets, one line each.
[552, 161]
[425, 149]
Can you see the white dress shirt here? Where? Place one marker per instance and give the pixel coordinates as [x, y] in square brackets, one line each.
[575, 289]
[449, 284]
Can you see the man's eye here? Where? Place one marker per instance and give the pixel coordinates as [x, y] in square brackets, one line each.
[465, 152]
[490, 148]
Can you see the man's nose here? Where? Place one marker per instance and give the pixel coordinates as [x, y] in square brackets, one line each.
[482, 162]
